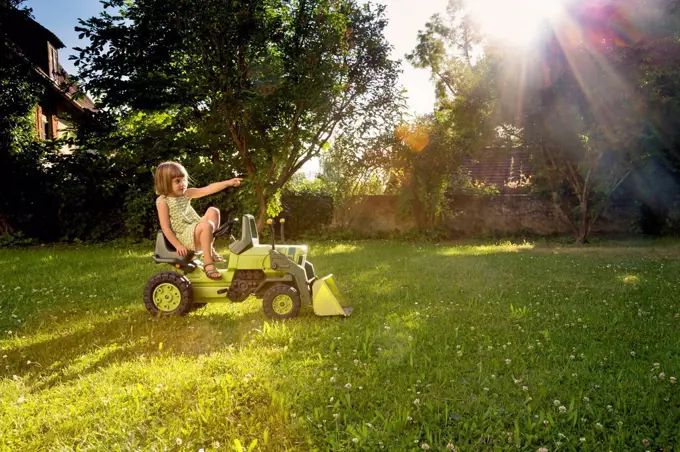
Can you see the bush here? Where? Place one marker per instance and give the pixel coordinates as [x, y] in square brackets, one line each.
[306, 212]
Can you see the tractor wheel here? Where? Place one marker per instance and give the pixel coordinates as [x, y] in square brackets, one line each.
[281, 302]
[168, 293]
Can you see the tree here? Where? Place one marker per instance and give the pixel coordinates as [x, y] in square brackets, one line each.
[355, 166]
[463, 121]
[267, 82]
[585, 105]
[19, 90]
[581, 102]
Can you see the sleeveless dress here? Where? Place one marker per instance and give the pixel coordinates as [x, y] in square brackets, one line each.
[183, 219]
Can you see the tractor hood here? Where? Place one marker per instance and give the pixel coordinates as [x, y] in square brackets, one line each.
[296, 253]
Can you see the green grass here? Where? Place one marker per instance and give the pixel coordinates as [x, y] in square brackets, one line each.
[481, 347]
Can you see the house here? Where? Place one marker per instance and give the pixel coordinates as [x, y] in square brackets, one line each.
[508, 170]
[61, 105]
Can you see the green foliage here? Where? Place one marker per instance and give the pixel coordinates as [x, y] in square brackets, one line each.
[307, 207]
[587, 100]
[262, 84]
[464, 184]
[353, 167]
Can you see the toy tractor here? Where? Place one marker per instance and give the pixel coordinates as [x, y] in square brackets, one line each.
[279, 275]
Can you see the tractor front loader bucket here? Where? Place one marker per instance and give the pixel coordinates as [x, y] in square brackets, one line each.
[327, 298]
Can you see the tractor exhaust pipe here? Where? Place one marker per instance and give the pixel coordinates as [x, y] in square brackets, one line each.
[270, 222]
[283, 237]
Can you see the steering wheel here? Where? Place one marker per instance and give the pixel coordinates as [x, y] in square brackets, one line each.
[225, 229]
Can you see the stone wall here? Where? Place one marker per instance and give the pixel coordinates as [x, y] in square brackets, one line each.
[473, 215]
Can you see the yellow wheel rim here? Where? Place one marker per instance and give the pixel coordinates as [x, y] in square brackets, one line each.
[167, 297]
[282, 304]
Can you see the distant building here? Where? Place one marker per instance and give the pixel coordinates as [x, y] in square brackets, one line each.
[506, 169]
[61, 105]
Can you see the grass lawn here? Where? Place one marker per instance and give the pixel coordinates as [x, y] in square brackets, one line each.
[451, 346]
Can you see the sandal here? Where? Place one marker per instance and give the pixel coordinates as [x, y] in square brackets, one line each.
[216, 257]
[213, 274]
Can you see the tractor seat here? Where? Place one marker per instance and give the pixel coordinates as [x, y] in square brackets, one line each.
[167, 254]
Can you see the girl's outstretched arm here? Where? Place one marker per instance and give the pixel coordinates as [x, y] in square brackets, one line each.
[213, 188]
[164, 218]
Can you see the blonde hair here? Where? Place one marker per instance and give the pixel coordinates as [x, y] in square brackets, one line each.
[164, 175]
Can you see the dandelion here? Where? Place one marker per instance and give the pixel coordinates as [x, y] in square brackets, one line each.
[450, 446]
[572, 357]
[425, 446]
[645, 442]
[557, 402]
[355, 440]
[508, 361]
[332, 379]
[459, 353]
[662, 376]
[416, 402]
[486, 389]
[543, 449]
[178, 441]
[632, 354]
[546, 422]
[657, 365]
[583, 440]
[598, 425]
[562, 409]
[525, 388]
[369, 425]
[356, 362]
[586, 399]
[673, 380]
[348, 385]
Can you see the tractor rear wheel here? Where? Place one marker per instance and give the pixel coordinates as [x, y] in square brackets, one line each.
[281, 302]
[168, 293]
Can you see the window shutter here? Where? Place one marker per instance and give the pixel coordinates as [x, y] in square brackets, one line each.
[38, 122]
[54, 126]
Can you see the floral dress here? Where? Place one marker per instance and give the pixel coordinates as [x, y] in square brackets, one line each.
[183, 219]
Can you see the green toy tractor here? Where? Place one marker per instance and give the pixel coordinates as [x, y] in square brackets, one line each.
[279, 275]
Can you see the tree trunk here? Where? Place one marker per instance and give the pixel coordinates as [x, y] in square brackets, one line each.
[582, 236]
[261, 207]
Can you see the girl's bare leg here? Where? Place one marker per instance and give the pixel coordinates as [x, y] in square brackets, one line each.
[212, 215]
[203, 238]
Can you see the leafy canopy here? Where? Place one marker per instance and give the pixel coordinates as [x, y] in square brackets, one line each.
[266, 82]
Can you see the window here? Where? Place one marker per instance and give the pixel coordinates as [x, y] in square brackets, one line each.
[44, 127]
[53, 61]
[47, 125]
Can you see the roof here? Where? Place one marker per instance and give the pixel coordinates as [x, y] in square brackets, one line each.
[22, 16]
[504, 168]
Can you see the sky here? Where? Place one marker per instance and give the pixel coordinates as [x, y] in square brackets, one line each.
[405, 17]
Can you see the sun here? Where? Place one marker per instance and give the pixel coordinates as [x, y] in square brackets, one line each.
[515, 22]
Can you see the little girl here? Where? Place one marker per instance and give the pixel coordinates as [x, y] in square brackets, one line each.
[180, 223]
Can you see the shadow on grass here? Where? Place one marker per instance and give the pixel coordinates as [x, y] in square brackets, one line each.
[78, 352]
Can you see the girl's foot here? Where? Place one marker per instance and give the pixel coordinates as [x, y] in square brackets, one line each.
[213, 273]
[216, 257]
